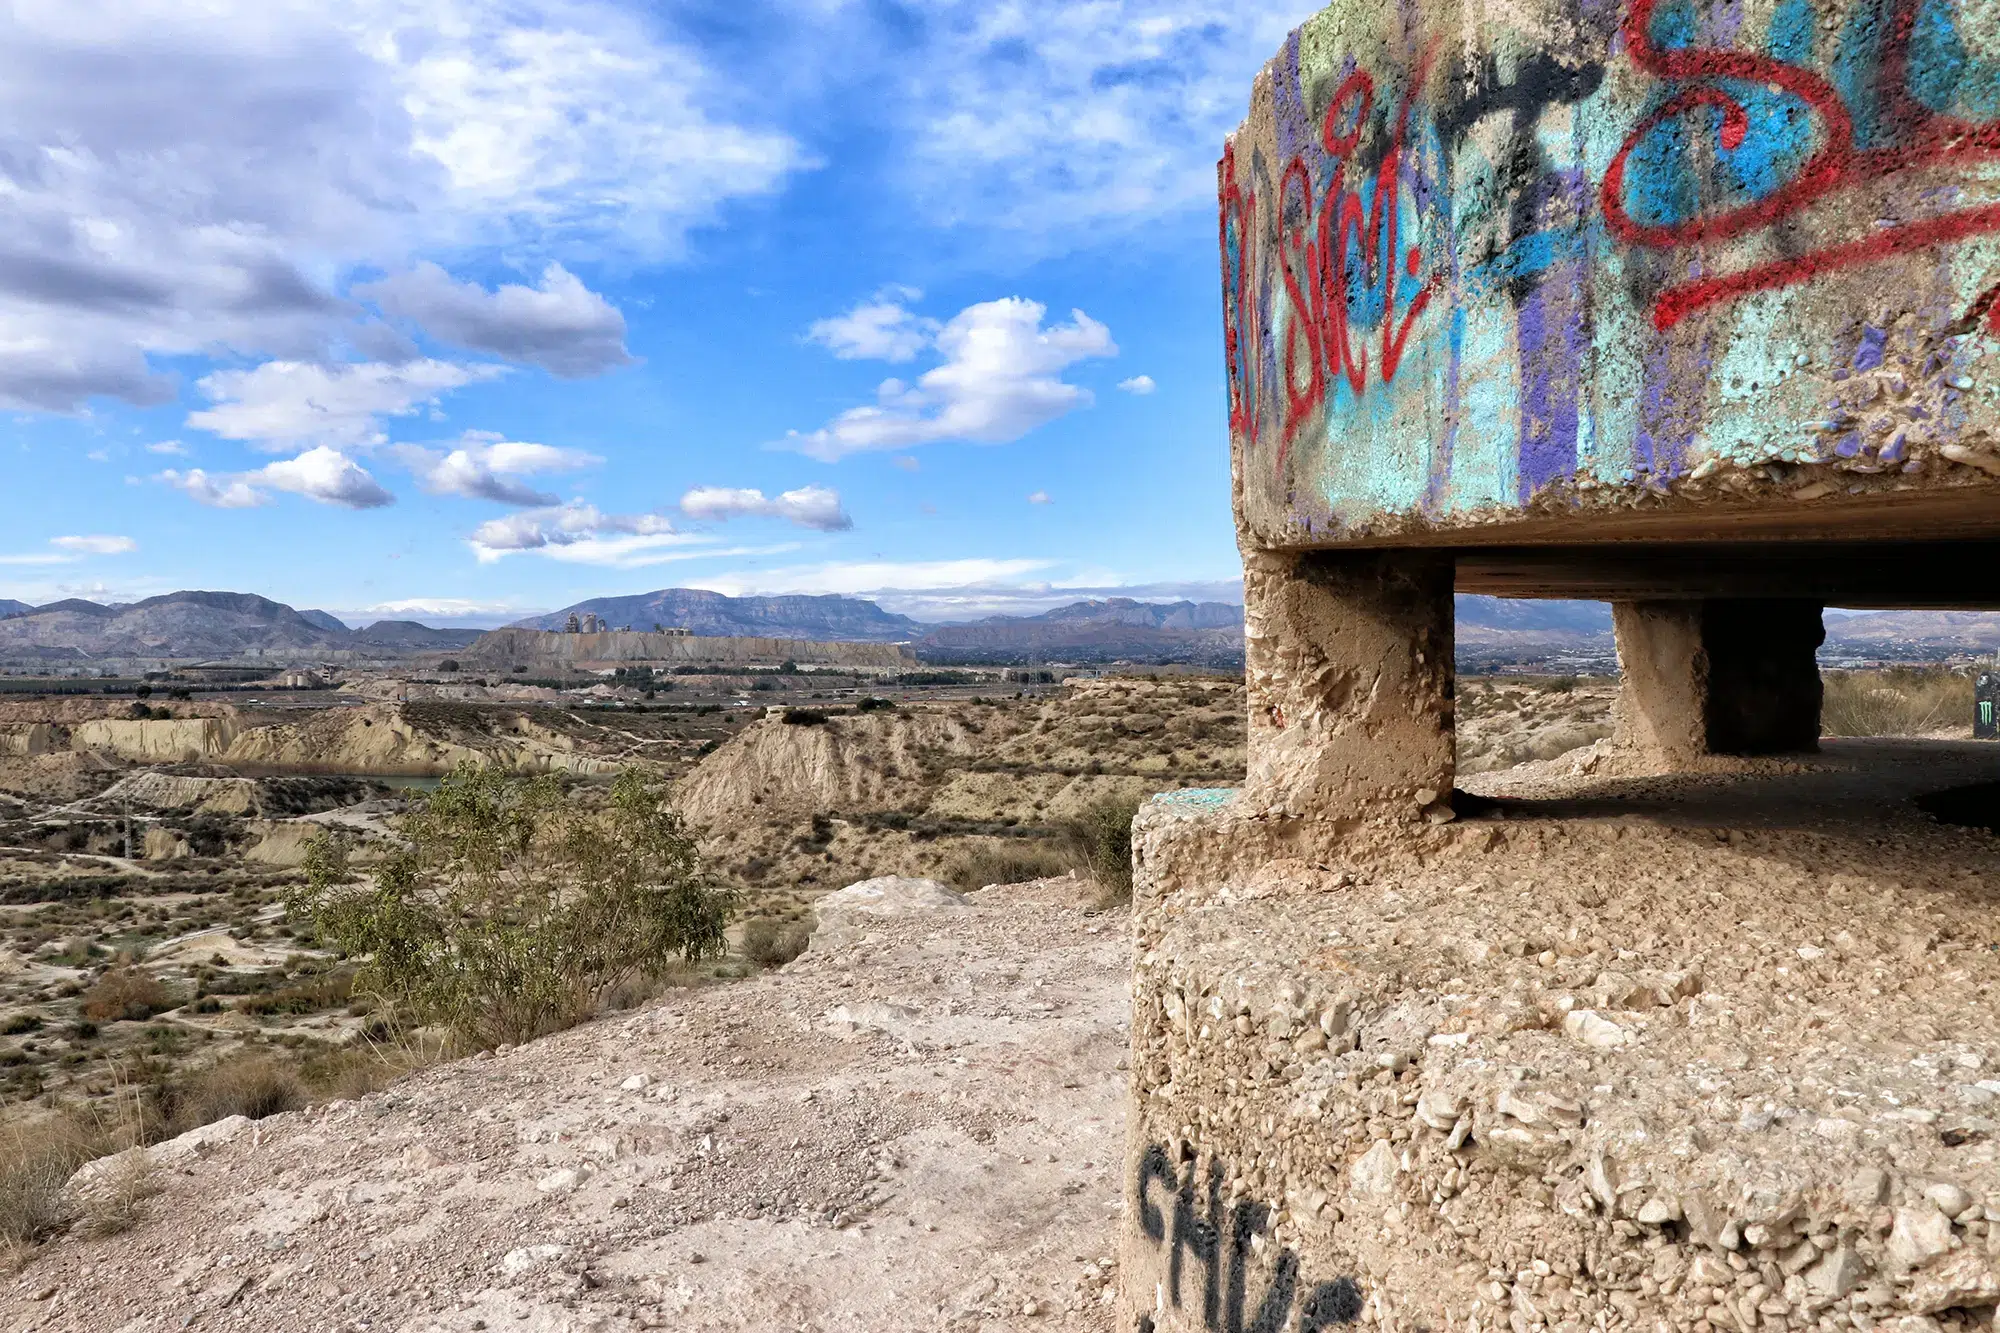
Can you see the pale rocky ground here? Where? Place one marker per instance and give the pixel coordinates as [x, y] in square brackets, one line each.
[918, 1124]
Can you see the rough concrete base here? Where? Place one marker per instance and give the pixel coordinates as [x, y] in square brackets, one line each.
[1724, 676]
[1702, 1054]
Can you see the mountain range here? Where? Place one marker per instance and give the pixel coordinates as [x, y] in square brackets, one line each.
[182, 625]
[830, 617]
[222, 625]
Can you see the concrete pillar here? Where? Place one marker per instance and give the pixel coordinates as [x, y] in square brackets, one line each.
[1349, 665]
[1718, 676]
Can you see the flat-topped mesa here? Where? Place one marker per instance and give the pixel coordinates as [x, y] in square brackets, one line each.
[1643, 303]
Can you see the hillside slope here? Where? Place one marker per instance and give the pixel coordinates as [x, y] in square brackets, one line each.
[922, 1129]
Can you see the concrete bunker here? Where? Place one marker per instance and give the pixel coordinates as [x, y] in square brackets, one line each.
[1688, 309]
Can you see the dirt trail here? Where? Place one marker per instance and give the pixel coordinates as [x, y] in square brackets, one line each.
[918, 1128]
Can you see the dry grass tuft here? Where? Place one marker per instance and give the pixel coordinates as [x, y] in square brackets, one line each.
[125, 993]
[255, 1086]
[1901, 701]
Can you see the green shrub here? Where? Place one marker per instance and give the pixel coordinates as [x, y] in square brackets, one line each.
[1098, 843]
[511, 911]
[770, 943]
[872, 703]
[804, 717]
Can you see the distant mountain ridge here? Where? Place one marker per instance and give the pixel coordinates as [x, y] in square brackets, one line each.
[828, 617]
[1099, 630]
[196, 624]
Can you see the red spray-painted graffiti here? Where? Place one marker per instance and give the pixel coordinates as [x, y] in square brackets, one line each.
[1316, 260]
[1327, 249]
[1926, 137]
[1239, 312]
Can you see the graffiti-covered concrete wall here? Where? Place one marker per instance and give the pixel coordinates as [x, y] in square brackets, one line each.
[1490, 263]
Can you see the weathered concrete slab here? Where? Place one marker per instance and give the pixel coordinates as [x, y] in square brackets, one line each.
[1542, 271]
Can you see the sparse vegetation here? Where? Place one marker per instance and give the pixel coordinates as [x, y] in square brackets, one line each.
[1098, 845]
[128, 994]
[1013, 861]
[1900, 701]
[511, 911]
[771, 943]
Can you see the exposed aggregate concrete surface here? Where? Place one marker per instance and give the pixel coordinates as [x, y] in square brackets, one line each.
[1713, 1052]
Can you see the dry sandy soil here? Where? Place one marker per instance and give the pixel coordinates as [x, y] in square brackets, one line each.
[918, 1124]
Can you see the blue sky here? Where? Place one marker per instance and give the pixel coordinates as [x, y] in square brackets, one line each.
[460, 309]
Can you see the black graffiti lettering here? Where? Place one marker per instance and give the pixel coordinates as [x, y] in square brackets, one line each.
[1331, 1303]
[1154, 1166]
[1245, 1221]
[1201, 1236]
[1225, 1305]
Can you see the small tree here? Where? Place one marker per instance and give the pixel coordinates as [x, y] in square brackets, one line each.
[450, 664]
[510, 911]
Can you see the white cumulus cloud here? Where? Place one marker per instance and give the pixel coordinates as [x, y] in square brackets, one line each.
[325, 475]
[1001, 378]
[1138, 384]
[182, 179]
[1040, 498]
[321, 474]
[809, 506]
[880, 329]
[217, 492]
[484, 467]
[583, 534]
[282, 404]
[561, 326]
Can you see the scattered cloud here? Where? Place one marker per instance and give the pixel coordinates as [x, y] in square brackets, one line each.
[814, 507]
[171, 447]
[325, 475]
[95, 545]
[1138, 384]
[561, 326]
[69, 550]
[217, 492]
[906, 462]
[1055, 124]
[191, 179]
[580, 533]
[1040, 498]
[879, 329]
[435, 611]
[486, 467]
[321, 474]
[1000, 379]
[283, 404]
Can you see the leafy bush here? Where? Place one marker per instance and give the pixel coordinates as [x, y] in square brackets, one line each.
[1902, 701]
[125, 993]
[804, 717]
[1098, 843]
[872, 703]
[511, 911]
[770, 943]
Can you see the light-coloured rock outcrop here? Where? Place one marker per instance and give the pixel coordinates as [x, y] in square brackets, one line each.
[157, 740]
